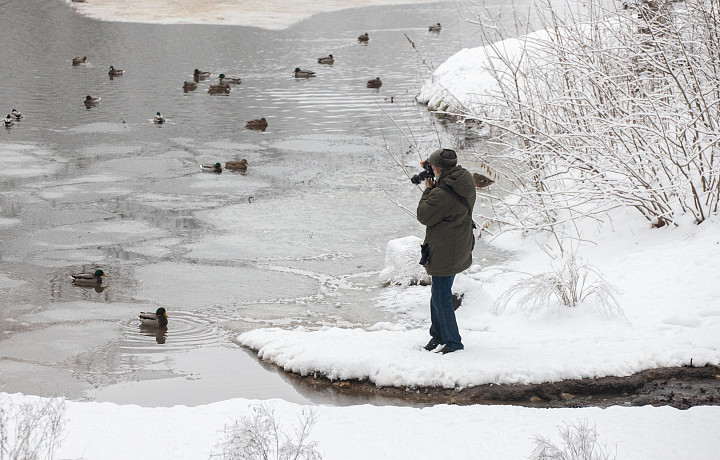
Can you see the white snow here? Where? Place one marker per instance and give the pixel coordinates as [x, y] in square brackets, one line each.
[109, 431]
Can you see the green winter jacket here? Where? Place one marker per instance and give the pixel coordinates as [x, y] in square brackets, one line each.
[449, 228]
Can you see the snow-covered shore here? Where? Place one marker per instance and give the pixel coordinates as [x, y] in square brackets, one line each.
[267, 14]
[109, 431]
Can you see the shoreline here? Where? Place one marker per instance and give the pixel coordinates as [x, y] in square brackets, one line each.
[678, 387]
[265, 14]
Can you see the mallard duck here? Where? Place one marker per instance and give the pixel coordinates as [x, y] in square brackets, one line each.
[481, 181]
[88, 279]
[79, 60]
[91, 101]
[16, 114]
[229, 80]
[113, 72]
[435, 28]
[299, 73]
[189, 86]
[216, 168]
[374, 83]
[363, 38]
[8, 121]
[326, 60]
[200, 74]
[158, 118]
[240, 166]
[157, 319]
[260, 124]
[219, 89]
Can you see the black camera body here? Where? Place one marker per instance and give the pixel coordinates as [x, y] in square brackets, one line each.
[427, 173]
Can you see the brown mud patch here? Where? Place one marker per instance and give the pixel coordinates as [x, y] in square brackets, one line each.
[679, 387]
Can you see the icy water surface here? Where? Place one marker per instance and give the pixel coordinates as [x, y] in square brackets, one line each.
[298, 240]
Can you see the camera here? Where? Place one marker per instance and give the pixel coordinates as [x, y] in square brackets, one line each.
[427, 173]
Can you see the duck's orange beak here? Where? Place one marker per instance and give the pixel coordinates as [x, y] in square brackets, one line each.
[165, 315]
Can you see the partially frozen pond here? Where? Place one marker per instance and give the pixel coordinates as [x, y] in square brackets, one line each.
[297, 241]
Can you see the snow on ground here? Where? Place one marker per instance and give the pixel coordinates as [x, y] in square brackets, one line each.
[109, 431]
[665, 286]
[268, 14]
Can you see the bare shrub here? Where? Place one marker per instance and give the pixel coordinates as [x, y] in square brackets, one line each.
[260, 437]
[571, 282]
[31, 431]
[579, 442]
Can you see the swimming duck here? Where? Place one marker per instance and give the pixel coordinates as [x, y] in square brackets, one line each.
[219, 89]
[374, 83]
[88, 279]
[91, 101]
[16, 114]
[326, 60]
[189, 86]
[260, 124]
[482, 181]
[200, 74]
[8, 121]
[113, 72]
[435, 28]
[158, 118]
[216, 168]
[240, 166]
[79, 60]
[363, 38]
[229, 80]
[157, 319]
[299, 73]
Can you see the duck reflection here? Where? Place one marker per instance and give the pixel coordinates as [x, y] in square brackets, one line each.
[160, 333]
[96, 288]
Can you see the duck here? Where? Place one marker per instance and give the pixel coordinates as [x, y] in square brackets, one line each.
[363, 38]
[157, 319]
[240, 166]
[79, 60]
[435, 28]
[91, 101]
[229, 80]
[200, 74]
[113, 72]
[189, 86]
[88, 279]
[374, 83]
[300, 73]
[219, 89]
[216, 168]
[158, 118]
[260, 124]
[8, 121]
[16, 114]
[326, 60]
[481, 181]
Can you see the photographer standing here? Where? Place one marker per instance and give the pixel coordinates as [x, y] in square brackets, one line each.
[445, 208]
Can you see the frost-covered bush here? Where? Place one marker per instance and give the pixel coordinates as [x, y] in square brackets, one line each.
[620, 109]
[571, 282]
[31, 430]
[579, 442]
[401, 263]
[260, 437]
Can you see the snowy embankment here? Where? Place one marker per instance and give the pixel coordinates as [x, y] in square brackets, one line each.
[666, 288]
[109, 431]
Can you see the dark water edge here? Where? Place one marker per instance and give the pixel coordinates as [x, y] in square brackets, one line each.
[678, 387]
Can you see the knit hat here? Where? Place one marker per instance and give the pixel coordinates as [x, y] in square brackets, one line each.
[443, 158]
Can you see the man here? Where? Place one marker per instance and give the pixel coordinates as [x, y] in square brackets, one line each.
[445, 209]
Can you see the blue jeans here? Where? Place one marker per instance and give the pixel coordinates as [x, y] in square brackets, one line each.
[444, 327]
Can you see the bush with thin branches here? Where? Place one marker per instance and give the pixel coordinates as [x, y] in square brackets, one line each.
[31, 430]
[579, 442]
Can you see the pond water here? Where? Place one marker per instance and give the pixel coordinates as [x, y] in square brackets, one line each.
[298, 240]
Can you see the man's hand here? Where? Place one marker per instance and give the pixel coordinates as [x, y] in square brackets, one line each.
[429, 182]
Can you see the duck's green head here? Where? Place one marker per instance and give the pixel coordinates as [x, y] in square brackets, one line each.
[161, 312]
[222, 75]
[297, 69]
[158, 114]
[217, 165]
[88, 98]
[100, 273]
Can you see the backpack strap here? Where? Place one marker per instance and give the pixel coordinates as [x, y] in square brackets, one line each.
[462, 199]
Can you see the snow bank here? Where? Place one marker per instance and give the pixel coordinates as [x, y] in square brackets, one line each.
[109, 431]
